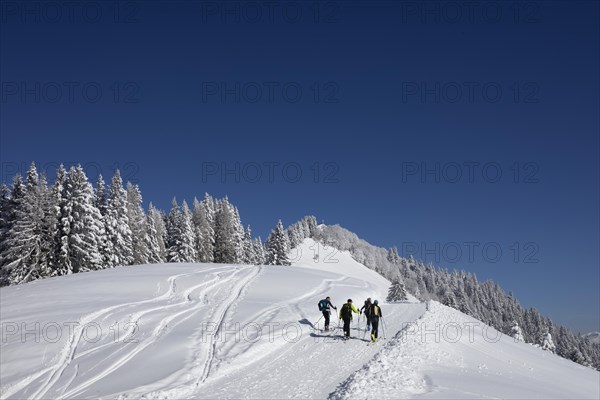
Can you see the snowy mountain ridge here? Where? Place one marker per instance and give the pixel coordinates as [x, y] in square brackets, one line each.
[233, 331]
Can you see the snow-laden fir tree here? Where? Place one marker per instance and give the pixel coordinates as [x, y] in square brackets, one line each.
[27, 244]
[449, 299]
[393, 256]
[56, 203]
[238, 235]
[153, 239]
[208, 229]
[248, 246]
[4, 228]
[189, 237]
[548, 343]
[205, 235]
[173, 225]
[101, 197]
[259, 257]
[117, 223]
[49, 225]
[158, 220]
[397, 292]
[80, 226]
[137, 224]
[226, 235]
[101, 203]
[517, 332]
[278, 246]
[180, 235]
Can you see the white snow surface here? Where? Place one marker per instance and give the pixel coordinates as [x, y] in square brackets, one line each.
[226, 331]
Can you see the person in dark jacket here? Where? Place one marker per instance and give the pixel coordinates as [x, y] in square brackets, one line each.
[325, 306]
[375, 316]
[346, 315]
[366, 309]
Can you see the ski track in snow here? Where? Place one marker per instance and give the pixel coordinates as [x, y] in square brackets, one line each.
[174, 387]
[156, 334]
[67, 354]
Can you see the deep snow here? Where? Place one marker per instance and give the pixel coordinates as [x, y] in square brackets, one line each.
[211, 330]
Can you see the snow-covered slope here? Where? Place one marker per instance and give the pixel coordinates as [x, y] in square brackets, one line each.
[449, 355]
[213, 331]
[186, 331]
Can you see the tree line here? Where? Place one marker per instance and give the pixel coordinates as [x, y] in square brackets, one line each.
[71, 226]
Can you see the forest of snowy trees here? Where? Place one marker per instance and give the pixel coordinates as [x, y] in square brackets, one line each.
[72, 226]
[485, 301]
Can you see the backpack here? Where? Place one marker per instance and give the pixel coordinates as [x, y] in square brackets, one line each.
[322, 305]
[345, 311]
[376, 311]
[368, 309]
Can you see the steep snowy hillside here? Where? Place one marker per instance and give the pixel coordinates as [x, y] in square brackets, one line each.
[215, 331]
[449, 355]
[186, 331]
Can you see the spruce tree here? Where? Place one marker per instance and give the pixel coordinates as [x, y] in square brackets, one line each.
[153, 239]
[180, 234]
[206, 229]
[226, 248]
[249, 256]
[80, 226]
[516, 332]
[278, 246]
[393, 256]
[158, 222]
[397, 292]
[188, 242]
[137, 225]
[4, 229]
[105, 245]
[117, 223]
[26, 250]
[173, 225]
[258, 252]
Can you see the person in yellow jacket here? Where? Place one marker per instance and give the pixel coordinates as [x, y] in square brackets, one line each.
[346, 315]
[375, 315]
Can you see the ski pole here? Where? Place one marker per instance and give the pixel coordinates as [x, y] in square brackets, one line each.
[315, 324]
[383, 327]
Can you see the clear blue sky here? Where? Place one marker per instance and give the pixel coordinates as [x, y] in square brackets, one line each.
[367, 94]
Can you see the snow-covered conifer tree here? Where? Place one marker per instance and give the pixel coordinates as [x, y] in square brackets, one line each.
[278, 246]
[397, 292]
[226, 247]
[393, 256]
[80, 226]
[137, 224]
[517, 332]
[158, 221]
[26, 252]
[548, 343]
[117, 223]
[188, 249]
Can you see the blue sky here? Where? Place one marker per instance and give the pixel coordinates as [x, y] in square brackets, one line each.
[392, 119]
